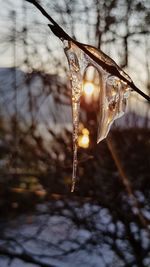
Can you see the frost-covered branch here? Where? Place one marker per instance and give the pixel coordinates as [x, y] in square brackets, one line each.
[113, 69]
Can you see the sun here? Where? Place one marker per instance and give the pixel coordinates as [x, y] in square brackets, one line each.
[83, 139]
[88, 88]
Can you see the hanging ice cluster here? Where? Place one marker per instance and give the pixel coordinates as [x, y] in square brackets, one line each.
[113, 91]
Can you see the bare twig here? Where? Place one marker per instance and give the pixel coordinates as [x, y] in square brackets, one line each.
[60, 33]
[24, 256]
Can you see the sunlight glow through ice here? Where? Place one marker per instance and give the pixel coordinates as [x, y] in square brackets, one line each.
[113, 92]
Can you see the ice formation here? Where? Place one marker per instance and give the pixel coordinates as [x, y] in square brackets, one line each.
[113, 92]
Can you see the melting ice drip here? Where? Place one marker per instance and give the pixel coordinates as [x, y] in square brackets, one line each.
[112, 96]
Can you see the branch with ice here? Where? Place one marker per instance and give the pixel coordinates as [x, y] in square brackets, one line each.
[112, 68]
[115, 84]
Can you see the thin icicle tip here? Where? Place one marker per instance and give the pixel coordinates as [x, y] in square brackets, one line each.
[73, 186]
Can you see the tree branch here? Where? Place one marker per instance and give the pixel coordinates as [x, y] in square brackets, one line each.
[60, 33]
[24, 257]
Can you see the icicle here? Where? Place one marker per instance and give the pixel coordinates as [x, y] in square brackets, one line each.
[113, 95]
[76, 83]
[113, 91]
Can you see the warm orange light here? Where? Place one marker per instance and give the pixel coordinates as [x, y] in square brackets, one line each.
[84, 140]
[88, 88]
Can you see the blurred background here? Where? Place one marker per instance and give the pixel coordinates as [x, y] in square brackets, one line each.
[106, 221]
